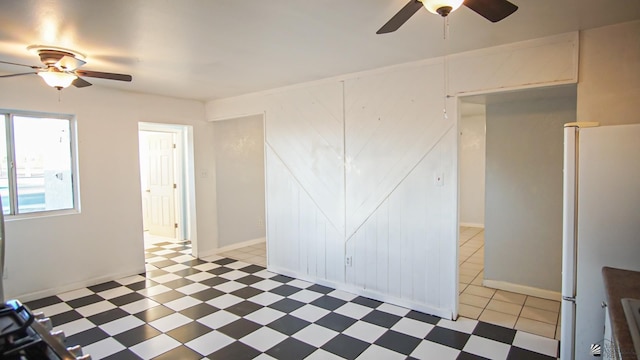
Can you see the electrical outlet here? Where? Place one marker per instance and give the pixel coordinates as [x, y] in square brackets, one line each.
[349, 261]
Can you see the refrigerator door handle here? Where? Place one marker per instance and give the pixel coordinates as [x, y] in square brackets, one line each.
[569, 298]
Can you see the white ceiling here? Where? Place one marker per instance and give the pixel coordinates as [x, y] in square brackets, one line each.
[208, 49]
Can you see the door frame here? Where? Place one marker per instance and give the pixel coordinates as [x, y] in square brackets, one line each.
[184, 177]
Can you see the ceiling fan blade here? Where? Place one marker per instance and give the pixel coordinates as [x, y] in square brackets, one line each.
[492, 10]
[68, 63]
[19, 74]
[12, 63]
[104, 75]
[401, 17]
[80, 83]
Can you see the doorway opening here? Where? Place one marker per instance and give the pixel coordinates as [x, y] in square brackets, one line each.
[166, 183]
[510, 212]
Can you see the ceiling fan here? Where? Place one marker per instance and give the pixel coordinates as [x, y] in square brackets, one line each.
[492, 10]
[60, 68]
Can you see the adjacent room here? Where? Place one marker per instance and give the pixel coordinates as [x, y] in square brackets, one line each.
[321, 180]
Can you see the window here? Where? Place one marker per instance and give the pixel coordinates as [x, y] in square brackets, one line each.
[36, 162]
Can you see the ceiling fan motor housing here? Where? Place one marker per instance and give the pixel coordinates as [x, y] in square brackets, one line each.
[50, 57]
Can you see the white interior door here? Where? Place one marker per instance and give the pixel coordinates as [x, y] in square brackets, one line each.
[161, 210]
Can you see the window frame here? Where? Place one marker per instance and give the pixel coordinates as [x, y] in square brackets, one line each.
[8, 115]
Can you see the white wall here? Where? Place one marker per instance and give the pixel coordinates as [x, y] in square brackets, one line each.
[239, 153]
[472, 165]
[46, 255]
[352, 164]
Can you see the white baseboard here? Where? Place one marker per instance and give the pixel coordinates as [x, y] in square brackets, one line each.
[473, 225]
[522, 289]
[77, 285]
[440, 312]
[203, 254]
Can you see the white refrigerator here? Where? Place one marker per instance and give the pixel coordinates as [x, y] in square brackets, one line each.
[601, 225]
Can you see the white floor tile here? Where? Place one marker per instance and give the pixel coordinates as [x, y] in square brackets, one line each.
[393, 309]
[54, 309]
[224, 301]
[266, 298]
[210, 342]
[353, 310]
[121, 325]
[233, 275]
[170, 322]
[103, 348]
[536, 343]
[192, 288]
[378, 352]
[310, 313]
[263, 339]
[323, 355]
[342, 295]
[76, 326]
[265, 315]
[182, 303]
[237, 265]
[183, 258]
[430, 350]
[305, 296]
[365, 331]
[299, 283]
[165, 278]
[155, 346]
[487, 348]
[207, 266]
[131, 279]
[315, 335]
[140, 305]
[412, 327]
[266, 274]
[218, 319]
[201, 276]
[462, 324]
[266, 285]
[95, 308]
[115, 292]
[75, 294]
[230, 286]
[154, 290]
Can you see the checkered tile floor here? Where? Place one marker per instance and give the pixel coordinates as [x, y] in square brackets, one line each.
[187, 308]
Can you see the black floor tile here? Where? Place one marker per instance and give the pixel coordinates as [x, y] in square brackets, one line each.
[154, 313]
[417, 315]
[165, 297]
[291, 349]
[65, 317]
[336, 322]
[125, 354]
[282, 278]
[251, 269]
[107, 316]
[398, 342]
[163, 263]
[516, 353]
[137, 335]
[181, 353]
[381, 318]
[236, 350]
[286, 305]
[220, 270]
[198, 311]
[188, 332]
[142, 284]
[84, 301]
[367, 302]
[249, 279]
[247, 292]
[186, 272]
[177, 283]
[289, 325]
[239, 328]
[87, 337]
[320, 289]
[224, 261]
[468, 356]
[126, 299]
[206, 295]
[40, 303]
[244, 308]
[495, 332]
[328, 302]
[285, 290]
[214, 281]
[345, 346]
[104, 286]
[194, 262]
[448, 337]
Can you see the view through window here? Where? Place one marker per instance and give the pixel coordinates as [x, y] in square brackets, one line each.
[37, 162]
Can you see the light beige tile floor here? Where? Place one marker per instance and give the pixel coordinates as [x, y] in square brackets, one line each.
[253, 254]
[527, 313]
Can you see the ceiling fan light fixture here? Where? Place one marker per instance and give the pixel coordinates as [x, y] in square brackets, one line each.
[442, 7]
[57, 79]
